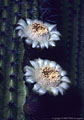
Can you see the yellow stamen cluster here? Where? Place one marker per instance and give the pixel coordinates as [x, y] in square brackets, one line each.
[50, 74]
[38, 29]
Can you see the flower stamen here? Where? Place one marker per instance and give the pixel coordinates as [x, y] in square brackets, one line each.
[39, 29]
[50, 74]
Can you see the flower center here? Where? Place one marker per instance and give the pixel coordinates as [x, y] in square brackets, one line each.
[50, 74]
[38, 29]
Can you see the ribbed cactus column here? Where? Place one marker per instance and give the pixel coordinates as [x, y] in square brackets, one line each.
[12, 91]
[2, 38]
[66, 9]
[21, 10]
[76, 39]
[5, 66]
[1, 52]
[19, 83]
[35, 9]
[70, 36]
[75, 43]
[73, 34]
[80, 59]
[3, 29]
[20, 90]
[25, 9]
[29, 10]
[30, 106]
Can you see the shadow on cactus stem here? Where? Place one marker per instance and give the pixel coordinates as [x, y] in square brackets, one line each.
[1, 77]
[31, 105]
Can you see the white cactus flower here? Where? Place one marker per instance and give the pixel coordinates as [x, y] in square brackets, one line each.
[47, 76]
[37, 33]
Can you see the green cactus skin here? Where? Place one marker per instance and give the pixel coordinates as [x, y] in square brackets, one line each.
[21, 90]
[25, 7]
[35, 10]
[1, 52]
[74, 35]
[3, 66]
[70, 36]
[75, 43]
[80, 62]
[20, 93]
[12, 88]
[66, 32]
[34, 15]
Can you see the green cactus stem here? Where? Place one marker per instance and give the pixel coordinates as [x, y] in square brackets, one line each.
[80, 57]
[67, 35]
[35, 9]
[25, 7]
[20, 93]
[12, 91]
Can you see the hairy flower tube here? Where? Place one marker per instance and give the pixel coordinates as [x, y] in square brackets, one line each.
[47, 76]
[37, 33]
